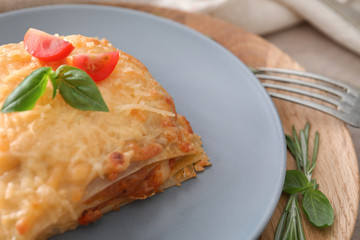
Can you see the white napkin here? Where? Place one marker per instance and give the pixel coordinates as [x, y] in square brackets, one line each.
[338, 19]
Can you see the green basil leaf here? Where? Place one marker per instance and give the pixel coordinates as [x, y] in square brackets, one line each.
[28, 92]
[295, 181]
[79, 90]
[318, 208]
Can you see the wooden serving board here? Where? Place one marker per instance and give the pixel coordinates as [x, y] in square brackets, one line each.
[337, 168]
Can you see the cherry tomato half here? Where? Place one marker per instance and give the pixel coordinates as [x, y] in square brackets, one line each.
[46, 46]
[98, 66]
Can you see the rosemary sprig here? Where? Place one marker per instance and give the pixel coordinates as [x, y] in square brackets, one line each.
[299, 182]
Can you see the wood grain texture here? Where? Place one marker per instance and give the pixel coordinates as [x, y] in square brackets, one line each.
[337, 169]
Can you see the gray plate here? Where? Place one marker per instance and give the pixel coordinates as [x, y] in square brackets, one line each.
[226, 105]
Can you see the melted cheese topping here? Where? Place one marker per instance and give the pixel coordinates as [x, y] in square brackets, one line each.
[49, 155]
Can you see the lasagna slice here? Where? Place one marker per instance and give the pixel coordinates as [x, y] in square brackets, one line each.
[61, 167]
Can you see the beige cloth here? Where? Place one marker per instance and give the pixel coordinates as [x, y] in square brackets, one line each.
[338, 19]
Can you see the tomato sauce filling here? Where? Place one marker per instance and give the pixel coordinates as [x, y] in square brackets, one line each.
[139, 185]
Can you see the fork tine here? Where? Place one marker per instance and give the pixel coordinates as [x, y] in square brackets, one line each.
[306, 84]
[307, 103]
[345, 86]
[303, 92]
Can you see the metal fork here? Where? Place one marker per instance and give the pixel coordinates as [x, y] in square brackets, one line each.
[343, 100]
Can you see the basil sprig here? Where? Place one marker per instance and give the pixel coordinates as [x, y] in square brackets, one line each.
[298, 182]
[74, 85]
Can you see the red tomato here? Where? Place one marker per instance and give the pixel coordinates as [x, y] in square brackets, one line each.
[98, 66]
[45, 46]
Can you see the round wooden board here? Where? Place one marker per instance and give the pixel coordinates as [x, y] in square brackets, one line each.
[337, 169]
